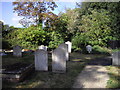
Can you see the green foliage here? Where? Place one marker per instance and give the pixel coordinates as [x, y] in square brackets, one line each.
[60, 25]
[102, 50]
[115, 50]
[114, 81]
[29, 37]
[95, 26]
[79, 40]
[5, 44]
[113, 11]
[56, 39]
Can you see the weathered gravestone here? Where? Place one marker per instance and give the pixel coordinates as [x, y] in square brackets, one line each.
[41, 60]
[116, 58]
[43, 47]
[64, 47]
[69, 46]
[58, 61]
[89, 48]
[17, 51]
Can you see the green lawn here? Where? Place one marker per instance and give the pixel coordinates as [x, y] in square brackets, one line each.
[49, 79]
[114, 73]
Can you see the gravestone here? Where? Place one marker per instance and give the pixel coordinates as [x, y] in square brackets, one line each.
[17, 51]
[43, 47]
[116, 58]
[89, 48]
[65, 48]
[69, 46]
[41, 60]
[58, 61]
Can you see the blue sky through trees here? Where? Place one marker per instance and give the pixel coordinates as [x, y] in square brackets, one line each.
[10, 18]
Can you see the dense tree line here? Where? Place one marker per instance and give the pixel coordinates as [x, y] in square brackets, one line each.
[92, 23]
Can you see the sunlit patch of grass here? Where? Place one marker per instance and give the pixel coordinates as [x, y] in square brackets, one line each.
[76, 60]
[88, 58]
[30, 84]
[114, 81]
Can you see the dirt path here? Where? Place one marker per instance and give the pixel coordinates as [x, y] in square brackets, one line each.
[94, 75]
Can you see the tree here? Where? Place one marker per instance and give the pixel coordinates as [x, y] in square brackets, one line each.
[33, 11]
[30, 37]
[113, 9]
[95, 26]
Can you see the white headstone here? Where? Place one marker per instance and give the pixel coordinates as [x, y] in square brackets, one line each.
[41, 60]
[89, 48]
[69, 46]
[65, 48]
[17, 51]
[58, 60]
[43, 47]
[116, 58]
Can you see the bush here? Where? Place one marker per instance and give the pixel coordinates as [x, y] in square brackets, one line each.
[5, 44]
[101, 50]
[79, 41]
[29, 38]
[56, 39]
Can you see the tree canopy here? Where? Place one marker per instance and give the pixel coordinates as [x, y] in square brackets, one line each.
[93, 23]
[34, 12]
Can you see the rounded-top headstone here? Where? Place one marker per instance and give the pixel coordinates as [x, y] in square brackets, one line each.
[58, 60]
[89, 48]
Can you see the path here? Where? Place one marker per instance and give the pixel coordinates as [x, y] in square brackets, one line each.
[94, 75]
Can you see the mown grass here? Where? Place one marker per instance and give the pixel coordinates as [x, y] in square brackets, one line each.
[114, 73]
[49, 79]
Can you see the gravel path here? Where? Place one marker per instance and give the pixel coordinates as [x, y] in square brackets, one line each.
[93, 76]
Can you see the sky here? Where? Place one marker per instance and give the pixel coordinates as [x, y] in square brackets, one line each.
[10, 18]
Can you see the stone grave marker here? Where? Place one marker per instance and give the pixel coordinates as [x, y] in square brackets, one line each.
[69, 46]
[58, 61]
[43, 47]
[116, 58]
[65, 48]
[89, 48]
[17, 51]
[41, 60]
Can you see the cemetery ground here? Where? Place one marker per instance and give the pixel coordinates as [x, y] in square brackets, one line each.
[39, 79]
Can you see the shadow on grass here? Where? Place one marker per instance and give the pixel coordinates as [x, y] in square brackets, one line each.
[103, 61]
[49, 79]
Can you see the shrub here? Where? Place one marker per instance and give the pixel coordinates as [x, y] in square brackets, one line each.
[29, 38]
[5, 44]
[56, 39]
[79, 42]
[99, 49]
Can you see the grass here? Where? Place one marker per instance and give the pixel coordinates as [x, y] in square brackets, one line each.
[114, 73]
[49, 79]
